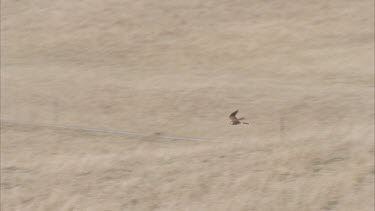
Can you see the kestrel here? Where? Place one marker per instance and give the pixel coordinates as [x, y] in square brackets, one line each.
[235, 120]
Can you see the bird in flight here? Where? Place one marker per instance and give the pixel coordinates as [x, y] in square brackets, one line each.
[234, 120]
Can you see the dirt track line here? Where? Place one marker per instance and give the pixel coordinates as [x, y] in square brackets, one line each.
[98, 130]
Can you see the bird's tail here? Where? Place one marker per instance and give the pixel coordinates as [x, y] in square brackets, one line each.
[242, 118]
[246, 123]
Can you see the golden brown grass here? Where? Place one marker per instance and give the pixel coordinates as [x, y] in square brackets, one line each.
[301, 72]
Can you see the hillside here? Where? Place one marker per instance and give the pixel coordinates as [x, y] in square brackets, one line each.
[301, 72]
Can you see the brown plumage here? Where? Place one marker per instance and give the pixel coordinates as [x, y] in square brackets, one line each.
[235, 120]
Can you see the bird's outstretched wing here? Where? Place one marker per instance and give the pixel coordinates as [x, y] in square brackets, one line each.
[233, 114]
[233, 117]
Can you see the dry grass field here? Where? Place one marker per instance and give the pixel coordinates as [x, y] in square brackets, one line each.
[301, 72]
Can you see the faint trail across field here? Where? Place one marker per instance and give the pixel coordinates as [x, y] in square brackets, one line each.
[99, 130]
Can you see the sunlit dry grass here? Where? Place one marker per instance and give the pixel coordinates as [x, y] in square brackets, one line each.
[300, 72]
